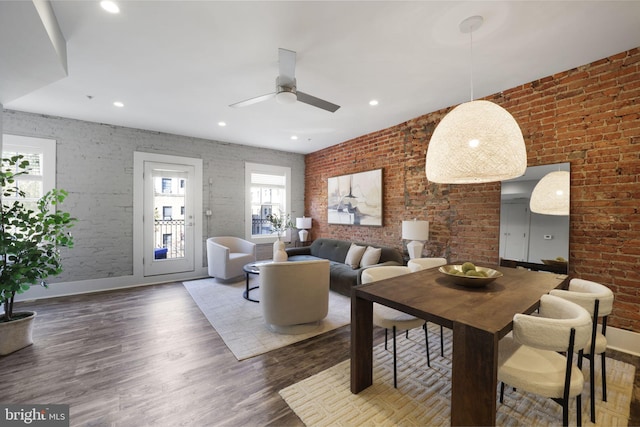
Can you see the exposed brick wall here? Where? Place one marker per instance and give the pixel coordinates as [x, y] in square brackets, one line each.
[588, 116]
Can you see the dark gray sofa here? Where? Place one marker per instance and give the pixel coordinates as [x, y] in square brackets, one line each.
[343, 277]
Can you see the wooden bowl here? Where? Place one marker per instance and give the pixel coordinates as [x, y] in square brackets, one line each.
[469, 281]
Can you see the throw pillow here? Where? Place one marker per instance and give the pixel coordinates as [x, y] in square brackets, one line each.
[371, 256]
[354, 254]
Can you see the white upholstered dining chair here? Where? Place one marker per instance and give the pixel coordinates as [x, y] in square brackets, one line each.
[389, 318]
[531, 357]
[597, 299]
[418, 264]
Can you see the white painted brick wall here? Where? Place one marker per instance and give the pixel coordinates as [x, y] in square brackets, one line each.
[95, 165]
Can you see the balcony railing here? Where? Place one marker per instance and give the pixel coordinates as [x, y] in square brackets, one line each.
[261, 226]
[169, 235]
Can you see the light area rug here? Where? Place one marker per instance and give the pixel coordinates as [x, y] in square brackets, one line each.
[240, 323]
[423, 394]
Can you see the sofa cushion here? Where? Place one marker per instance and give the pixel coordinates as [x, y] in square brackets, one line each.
[336, 250]
[343, 277]
[370, 257]
[331, 249]
[354, 255]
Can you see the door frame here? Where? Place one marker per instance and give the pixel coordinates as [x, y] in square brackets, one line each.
[139, 158]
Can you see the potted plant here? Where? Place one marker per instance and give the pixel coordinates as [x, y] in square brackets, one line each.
[279, 224]
[30, 238]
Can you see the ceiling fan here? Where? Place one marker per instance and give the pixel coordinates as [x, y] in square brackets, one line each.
[286, 90]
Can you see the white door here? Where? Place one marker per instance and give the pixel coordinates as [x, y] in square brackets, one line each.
[168, 218]
[514, 227]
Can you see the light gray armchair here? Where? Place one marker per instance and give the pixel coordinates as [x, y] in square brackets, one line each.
[227, 255]
[294, 295]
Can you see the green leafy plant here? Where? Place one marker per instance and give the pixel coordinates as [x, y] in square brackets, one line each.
[280, 223]
[30, 238]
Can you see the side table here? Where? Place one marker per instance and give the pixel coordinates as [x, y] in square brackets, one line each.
[252, 268]
[299, 244]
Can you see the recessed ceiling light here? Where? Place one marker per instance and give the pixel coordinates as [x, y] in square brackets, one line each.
[294, 137]
[118, 104]
[110, 6]
[373, 102]
[222, 124]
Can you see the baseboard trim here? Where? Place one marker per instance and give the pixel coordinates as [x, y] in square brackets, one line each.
[61, 289]
[623, 340]
[617, 339]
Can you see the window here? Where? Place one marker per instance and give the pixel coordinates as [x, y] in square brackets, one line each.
[41, 154]
[167, 213]
[268, 190]
[166, 185]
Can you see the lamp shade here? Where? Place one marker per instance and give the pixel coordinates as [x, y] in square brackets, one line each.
[478, 141]
[415, 230]
[303, 223]
[551, 195]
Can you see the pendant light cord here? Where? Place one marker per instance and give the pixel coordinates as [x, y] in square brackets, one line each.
[469, 25]
[471, 49]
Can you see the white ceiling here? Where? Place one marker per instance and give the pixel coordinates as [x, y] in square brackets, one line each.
[177, 65]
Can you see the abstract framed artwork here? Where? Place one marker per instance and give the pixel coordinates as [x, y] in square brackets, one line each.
[355, 199]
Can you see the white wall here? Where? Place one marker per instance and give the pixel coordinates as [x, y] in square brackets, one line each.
[95, 165]
[548, 237]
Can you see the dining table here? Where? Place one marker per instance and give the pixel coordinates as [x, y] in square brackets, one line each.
[478, 316]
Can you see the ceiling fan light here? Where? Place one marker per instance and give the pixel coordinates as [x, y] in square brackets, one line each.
[551, 194]
[286, 97]
[477, 142]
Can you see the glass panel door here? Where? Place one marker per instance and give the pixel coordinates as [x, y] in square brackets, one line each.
[168, 218]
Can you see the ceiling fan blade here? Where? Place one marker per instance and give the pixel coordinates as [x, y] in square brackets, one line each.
[286, 85]
[287, 65]
[317, 102]
[252, 101]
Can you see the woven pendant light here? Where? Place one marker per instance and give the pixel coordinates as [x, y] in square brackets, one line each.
[478, 141]
[551, 194]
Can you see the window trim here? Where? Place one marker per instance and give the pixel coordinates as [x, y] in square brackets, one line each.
[269, 170]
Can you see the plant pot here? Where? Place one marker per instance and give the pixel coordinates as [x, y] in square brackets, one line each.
[16, 334]
[279, 254]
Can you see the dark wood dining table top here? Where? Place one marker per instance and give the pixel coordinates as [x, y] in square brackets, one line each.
[431, 295]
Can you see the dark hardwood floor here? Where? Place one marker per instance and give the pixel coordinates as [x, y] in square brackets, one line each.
[148, 356]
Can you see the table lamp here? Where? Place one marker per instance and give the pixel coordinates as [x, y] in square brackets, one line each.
[303, 224]
[418, 233]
